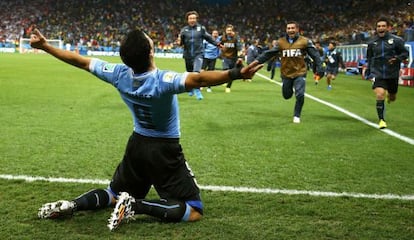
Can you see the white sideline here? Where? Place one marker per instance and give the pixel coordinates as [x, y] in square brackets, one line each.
[353, 115]
[388, 196]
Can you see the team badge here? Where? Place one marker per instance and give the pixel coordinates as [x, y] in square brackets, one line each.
[168, 77]
[136, 83]
[109, 67]
[391, 41]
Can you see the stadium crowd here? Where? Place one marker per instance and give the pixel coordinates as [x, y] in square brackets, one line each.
[98, 23]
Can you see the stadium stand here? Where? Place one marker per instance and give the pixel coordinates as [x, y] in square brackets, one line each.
[99, 24]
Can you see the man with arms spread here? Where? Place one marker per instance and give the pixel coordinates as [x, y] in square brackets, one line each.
[385, 53]
[191, 38]
[293, 49]
[153, 155]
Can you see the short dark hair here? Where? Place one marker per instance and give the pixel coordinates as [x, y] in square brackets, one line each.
[190, 13]
[135, 51]
[293, 22]
[333, 43]
[383, 19]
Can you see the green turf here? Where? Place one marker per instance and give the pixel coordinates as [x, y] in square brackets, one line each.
[57, 121]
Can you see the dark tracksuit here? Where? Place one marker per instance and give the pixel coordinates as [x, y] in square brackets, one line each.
[385, 74]
[379, 51]
[192, 40]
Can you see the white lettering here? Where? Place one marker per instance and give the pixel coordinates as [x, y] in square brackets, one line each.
[291, 53]
[229, 45]
[8, 50]
[102, 53]
[168, 55]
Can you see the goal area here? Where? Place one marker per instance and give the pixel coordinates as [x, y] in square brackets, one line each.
[24, 45]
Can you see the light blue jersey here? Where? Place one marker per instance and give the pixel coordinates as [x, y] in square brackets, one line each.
[150, 96]
[211, 51]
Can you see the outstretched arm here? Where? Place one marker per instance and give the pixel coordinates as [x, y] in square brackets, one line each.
[37, 40]
[213, 78]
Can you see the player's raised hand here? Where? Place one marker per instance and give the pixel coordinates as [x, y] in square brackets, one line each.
[37, 40]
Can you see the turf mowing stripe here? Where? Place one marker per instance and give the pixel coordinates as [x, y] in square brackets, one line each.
[224, 188]
[353, 115]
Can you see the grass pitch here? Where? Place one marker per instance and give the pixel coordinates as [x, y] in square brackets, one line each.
[58, 121]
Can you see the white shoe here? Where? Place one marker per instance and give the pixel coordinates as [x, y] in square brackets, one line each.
[228, 90]
[59, 209]
[296, 119]
[122, 210]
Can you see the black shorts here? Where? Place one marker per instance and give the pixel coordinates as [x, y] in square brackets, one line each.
[390, 84]
[332, 70]
[209, 64]
[155, 161]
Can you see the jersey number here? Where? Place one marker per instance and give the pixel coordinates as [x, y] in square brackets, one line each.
[144, 116]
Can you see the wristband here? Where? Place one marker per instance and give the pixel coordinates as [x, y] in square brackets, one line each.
[235, 73]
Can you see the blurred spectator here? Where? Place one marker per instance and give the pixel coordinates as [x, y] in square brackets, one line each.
[343, 21]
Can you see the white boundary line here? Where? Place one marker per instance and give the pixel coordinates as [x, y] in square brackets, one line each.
[353, 115]
[255, 190]
[224, 188]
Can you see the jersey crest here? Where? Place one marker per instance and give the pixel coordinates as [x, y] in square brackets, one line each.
[168, 77]
[109, 67]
